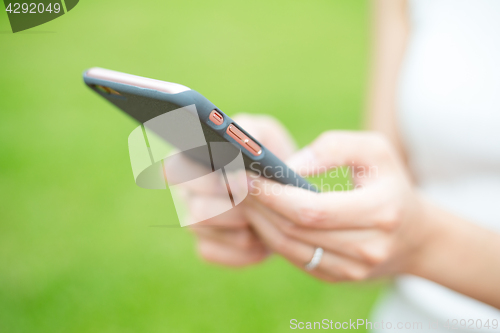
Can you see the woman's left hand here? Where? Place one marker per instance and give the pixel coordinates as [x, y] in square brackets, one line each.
[376, 229]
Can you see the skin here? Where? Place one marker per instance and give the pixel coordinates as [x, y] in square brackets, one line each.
[382, 228]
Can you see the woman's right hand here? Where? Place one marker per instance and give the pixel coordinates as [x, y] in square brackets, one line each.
[227, 238]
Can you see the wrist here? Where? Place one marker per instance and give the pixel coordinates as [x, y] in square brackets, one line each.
[432, 234]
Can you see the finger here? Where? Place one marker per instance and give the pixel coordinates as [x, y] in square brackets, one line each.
[315, 272]
[342, 148]
[330, 210]
[219, 253]
[201, 206]
[244, 239]
[210, 184]
[337, 267]
[269, 132]
[365, 245]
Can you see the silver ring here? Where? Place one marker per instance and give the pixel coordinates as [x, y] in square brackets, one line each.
[318, 253]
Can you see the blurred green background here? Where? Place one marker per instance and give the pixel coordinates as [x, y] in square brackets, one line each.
[77, 250]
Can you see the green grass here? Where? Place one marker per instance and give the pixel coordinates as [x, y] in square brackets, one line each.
[77, 253]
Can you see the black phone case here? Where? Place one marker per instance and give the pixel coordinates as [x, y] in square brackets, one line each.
[144, 104]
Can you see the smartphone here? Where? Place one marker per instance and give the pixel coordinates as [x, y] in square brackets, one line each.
[144, 99]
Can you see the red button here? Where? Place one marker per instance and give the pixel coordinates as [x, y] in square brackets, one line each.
[216, 118]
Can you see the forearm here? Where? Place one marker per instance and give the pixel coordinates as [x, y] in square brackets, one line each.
[460, 255]
[389, 33]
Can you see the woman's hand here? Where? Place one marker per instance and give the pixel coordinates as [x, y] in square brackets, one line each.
[376, 229]
[228, 238]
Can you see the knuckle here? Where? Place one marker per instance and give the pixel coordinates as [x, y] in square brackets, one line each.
[341, 273]
[243, 117]
[356, 273]
[329, 136]
[206, 252]
[196, 208]
[196, 215]
[378, 139]
[266, 196]
[381, 144]
[334, 141]
[374, 256]
[281, 244]
[287, 227]
[326, 277]
[388, 224]
[338, 135]
[312, 214]
[246, 241]
[391, 217]
[367, 254]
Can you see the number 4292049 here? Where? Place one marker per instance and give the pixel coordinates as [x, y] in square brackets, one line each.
[455, 324]
[32, 8]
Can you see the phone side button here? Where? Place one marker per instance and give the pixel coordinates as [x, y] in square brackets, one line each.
[244, 140]
[216, 117]
[235, 132]
[256, 150]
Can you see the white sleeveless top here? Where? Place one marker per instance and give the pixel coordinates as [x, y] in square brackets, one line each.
[449, 117]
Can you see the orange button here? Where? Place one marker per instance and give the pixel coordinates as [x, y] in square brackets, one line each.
[236, 132]
[255, 147]
[216, 117]
[244, 140]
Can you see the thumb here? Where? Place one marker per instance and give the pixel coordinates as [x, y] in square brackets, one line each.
[343, 148]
